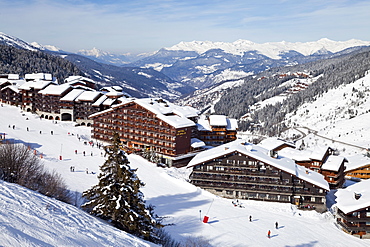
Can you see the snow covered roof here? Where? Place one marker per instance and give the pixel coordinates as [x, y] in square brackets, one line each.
[196, 143]
[77, 78]
[88, 96]
[71, 96]
[109, 102]
[319, 153]
[295, 154]
[100, 101]
[203, 124]
[55, 89]
[176, 116]
[333, 163]
[13, 76]
[357, 161]
[17, 83]
[36, 84]
[112, 89]
[273, 143]
[38, 76]
[346, 200]
[232, 124]
[216, 120]
[261, 154]
[11, 87]
[114, 94]
[172, 114]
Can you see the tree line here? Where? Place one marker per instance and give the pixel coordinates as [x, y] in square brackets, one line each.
[20, 61]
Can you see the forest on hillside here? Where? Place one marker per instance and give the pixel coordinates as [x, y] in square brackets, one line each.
[20, 61]
[334, 72]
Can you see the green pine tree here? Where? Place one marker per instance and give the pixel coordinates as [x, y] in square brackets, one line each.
[117, 197]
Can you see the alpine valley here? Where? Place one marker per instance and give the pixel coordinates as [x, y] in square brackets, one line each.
[248, 81]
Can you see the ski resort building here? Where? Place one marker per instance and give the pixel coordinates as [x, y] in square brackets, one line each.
[48, 100]
[242, 170]
[321, 160]
[353, 208]
[215, 130]
[30, 90]
[154, 125]
[358, 167]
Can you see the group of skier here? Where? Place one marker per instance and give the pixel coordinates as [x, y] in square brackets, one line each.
[269, 232]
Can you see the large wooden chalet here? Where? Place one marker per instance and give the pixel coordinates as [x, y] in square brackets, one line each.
[321, 160]
[151, 124]
[353, 208]
[9, 92]
[242, 170]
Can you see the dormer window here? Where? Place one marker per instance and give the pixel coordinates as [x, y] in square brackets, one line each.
[357, 195]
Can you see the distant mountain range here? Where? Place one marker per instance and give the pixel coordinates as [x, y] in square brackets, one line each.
[177, 71]
[203, 63]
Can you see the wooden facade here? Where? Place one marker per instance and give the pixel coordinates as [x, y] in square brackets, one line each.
[321, 160]
[353, 209]
[355, 222]
[362, 172]
[236, 174]
[10, 95]
[216, 130]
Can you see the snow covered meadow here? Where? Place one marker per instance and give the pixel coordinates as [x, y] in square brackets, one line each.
[30, 219]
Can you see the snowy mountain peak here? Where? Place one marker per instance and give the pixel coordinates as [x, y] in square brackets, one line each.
[45, 47]
[94, 52]
[15, 42]
[270, 49]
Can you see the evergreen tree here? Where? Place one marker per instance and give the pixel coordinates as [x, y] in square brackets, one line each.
[117, 197]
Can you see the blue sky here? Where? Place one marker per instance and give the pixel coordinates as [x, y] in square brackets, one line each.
[144, 26]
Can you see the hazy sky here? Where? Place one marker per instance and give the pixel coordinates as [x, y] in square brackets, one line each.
[134, 26]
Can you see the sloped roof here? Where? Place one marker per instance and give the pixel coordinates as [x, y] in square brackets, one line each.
[100, 101]
[295, 154]
[88, 96]
[357, 161]
[196, 143]
[346, 200]
[55, 89]
[71, 96]
[172, 114]
[319, 153]
[261, 154]
[216, 120]
[272, 143]
[333, 163]
[36, 84]
[11, 87]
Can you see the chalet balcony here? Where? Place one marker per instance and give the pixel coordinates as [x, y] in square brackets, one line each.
[353, 228]
[351, 218]
[244, 188]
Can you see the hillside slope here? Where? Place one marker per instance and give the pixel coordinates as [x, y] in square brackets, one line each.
[31, 219]
[182, 204]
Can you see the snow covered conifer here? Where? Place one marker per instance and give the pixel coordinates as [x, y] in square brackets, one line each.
[117, 197]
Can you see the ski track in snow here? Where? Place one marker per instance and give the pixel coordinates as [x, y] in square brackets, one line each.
[29, 219]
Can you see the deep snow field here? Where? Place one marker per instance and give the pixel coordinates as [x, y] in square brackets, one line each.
[183, 204]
